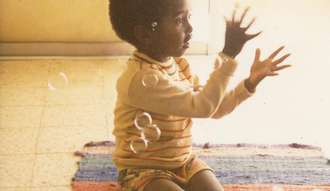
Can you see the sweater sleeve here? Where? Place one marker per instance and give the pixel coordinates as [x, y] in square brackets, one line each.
[165, 96]
[231, 100]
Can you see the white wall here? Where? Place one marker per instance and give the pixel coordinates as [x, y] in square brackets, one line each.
[292, 107]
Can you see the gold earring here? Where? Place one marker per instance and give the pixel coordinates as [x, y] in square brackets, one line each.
[153, 26]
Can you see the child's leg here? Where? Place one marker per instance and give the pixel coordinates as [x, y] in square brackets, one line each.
[204, 180]
[162, 185]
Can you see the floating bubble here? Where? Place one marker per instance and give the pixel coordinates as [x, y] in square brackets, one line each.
[142, 120]
[138, 144]
[148, 132]
[57, 81]
[152, 132]
[150, 80]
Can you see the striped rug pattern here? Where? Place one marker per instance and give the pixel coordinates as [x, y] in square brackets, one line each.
[239, 167]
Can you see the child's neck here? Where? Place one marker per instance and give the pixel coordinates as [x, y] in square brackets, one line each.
[155, 56]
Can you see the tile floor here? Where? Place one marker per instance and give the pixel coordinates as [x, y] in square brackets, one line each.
[49, 108]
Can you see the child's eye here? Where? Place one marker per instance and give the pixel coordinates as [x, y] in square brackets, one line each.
[189, 17]
[179, 20]
[182, 19]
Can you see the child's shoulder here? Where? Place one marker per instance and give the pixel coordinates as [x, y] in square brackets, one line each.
[138, 72]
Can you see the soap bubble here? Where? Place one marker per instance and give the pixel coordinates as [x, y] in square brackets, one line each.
[152, 132]
[150, 80]
[138, 144]
[142, 120]
[57, 81]
[148, 133]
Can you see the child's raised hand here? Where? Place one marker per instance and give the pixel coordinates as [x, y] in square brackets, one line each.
[235, 36]
[268, 67]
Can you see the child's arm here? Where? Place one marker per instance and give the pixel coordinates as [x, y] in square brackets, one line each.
[171, 98]
[259, 70]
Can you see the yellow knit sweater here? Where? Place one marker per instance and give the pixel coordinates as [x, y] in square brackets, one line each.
[166, 91]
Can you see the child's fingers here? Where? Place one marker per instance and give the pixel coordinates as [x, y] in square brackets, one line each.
[273, 74]
[251, 36]
[226, 19]
[228, 22]
[257, 55]
[243, 15]
[281, 59]
[233, 16]
[281, 67]
[249, 25]
[272, 56]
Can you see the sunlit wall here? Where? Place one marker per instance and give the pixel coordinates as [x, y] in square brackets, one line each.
[294, 106]
[55, 21]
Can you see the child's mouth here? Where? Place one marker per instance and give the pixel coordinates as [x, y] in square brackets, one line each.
[186, 43]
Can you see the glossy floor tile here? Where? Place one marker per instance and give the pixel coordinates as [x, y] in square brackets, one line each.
[49, 108]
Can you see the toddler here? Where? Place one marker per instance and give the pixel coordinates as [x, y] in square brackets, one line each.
[158, 87]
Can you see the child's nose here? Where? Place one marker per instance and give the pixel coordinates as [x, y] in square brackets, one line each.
[189, 27]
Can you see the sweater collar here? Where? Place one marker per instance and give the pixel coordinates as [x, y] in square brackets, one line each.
[145, 58]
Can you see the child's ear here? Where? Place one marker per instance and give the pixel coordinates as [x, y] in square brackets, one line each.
[142, 35]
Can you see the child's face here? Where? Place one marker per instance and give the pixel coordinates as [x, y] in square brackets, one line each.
[172, 35]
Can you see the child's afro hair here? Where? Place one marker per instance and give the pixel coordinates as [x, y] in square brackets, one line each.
[126, 14]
